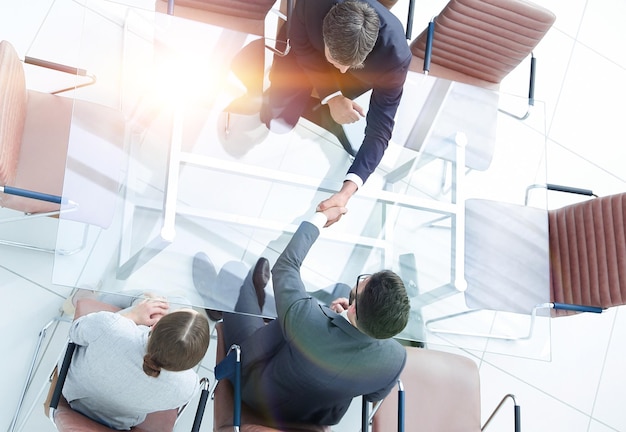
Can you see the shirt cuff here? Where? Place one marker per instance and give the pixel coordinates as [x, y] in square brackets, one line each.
[330, 96]
[319, 220]
[354, 179]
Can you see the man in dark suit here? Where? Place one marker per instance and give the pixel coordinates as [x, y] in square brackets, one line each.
[308, 364]
[340, 50]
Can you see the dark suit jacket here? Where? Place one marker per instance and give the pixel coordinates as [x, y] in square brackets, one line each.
[384, 72]
[321, 362]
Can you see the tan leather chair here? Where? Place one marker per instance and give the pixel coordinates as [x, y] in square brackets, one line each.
[588, 254]
[442, 394]
[582, 249]
[37, 130]
[521, 259]
[479, 42]
[247, 16]
[250, 421]
[67, 420]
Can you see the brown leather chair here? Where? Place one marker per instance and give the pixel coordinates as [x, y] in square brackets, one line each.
[247, 16]
[35, 131]
[250, 421]
[441, 392]
[588, 254]
[521, 259]
[583, 249]
[479, 42]
[68, 420]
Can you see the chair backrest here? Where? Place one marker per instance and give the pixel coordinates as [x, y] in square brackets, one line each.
[68, 420]
[59, 146]
[243, 15]
[588, 253]
[479, 42]
[442, 394]
[13, 100]
[250, 421]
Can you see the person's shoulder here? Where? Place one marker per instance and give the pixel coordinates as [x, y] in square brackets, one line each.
[181, 384]
[395, 347]
[104, 321]
[100, 317]
[91, 327]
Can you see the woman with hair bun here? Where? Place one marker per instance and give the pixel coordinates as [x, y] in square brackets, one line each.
[134, 362]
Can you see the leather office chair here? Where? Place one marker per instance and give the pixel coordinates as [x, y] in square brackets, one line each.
[441, 394]
[247, 16]
[225, 408]
[473, 43]
[479, 42]
[67, 420]
[37, 132]
[520, 259]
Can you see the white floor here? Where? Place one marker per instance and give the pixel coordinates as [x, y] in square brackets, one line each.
[581, 75]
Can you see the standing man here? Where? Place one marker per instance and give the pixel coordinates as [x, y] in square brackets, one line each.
[308, 364]
[340, 50]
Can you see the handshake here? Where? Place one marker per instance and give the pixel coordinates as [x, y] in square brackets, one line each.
[335, 206]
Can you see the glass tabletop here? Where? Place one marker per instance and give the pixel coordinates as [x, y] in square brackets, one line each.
[198, 173]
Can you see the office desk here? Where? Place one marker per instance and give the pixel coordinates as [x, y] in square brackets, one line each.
[190, 187]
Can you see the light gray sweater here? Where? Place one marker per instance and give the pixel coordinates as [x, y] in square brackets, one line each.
[106, 381]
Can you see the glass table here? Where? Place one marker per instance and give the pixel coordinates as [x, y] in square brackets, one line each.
[199, 177]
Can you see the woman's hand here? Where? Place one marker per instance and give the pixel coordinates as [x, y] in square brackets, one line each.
[148, 312]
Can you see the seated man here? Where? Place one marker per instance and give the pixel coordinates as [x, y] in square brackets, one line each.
[308, 364]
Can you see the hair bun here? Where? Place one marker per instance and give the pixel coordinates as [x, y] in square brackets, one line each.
[150, 367]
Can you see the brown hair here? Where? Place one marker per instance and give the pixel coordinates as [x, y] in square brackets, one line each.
[177, 342]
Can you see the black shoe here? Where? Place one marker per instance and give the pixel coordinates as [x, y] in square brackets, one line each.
[260, 277]
[204, 275]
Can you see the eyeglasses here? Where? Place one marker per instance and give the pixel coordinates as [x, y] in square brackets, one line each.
[360, 278]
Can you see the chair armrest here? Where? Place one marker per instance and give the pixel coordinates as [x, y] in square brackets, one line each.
[531, 92]
[287, 42]
[559, 188]
[62, 68]
[204, 396]
[570, 189]
[576, 307]
[86, 306]
[56, 395]
[516, 413]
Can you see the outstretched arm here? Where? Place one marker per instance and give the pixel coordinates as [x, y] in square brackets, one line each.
[286, 280]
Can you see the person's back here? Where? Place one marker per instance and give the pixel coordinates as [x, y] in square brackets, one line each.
[323, 359]
[308, 364]
[107, 380]
[325, 363]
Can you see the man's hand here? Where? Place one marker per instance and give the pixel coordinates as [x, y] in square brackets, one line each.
[338, 201]
[148, 312]
[333, 214]
[339, 305]
[344, 110]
